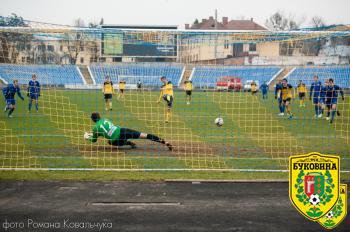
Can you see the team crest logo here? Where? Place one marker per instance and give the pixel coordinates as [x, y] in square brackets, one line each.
[338, 212]
[314, 183]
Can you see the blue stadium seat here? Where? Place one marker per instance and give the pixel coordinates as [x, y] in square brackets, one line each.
[207, 76]
[148, 73]
[47, 74]
[340, 74]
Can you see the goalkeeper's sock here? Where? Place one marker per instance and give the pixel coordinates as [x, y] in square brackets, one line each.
[155, 138]
[10, 112]
[37, 106]
[159, 140]
[30, 106]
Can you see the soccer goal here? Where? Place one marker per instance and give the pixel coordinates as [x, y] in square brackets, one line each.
[171, 100]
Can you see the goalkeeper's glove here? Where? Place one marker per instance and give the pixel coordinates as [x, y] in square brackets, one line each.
[87, 135]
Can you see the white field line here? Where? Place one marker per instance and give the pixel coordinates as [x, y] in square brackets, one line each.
[156, 157]
[150, 170]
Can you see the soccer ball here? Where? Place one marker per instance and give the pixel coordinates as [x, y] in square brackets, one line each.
[219, 121]
[87, 135]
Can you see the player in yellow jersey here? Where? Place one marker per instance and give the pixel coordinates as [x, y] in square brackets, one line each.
[108, 92]
[302, 90]
[254, 88]
[122, 85]
[167, 94]
[188, 89]
[287, 94]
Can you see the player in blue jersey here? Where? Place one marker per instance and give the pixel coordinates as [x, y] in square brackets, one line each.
[315, 94]
[33, 92]
[278, 96]
[322, 98]
[332, 95]
[327, 102]
[9, 93]
[264, 90]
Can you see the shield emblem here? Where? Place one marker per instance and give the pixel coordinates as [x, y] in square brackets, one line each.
[314, 183]
[338, 213]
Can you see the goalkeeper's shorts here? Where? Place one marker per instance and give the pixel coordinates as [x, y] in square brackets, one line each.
[125, 134]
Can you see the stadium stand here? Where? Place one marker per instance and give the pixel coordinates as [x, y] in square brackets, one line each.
[207, 76]
[148, 73]
[47, 74]
[340, 74]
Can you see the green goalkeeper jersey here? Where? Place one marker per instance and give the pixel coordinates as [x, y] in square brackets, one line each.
[105, 128]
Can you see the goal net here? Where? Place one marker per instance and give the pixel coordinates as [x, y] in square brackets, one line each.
[276, 93]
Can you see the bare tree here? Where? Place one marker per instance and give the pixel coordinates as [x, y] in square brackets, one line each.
[279, 21]
[79, 22]
[318, 22]
[93, 24]
[74, 41]
[9, 40]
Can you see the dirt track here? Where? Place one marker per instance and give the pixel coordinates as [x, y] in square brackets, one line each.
[154, 206]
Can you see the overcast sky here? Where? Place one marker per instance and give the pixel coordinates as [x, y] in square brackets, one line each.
[171, 12]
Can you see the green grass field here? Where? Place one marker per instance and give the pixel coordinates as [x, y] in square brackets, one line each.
[253, 136]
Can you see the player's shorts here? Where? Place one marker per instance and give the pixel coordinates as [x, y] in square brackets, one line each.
[10, 102]
[316, 100]
[332, 101]
[169, 99]
[34, 96]
[108, 96]
[121, 90]
[125, 134]
[301, 95]
[254, 92]
[188, 92]
[322, 100]
[287, 100]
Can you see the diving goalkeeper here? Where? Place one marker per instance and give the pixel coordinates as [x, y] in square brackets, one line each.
[116, 135]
